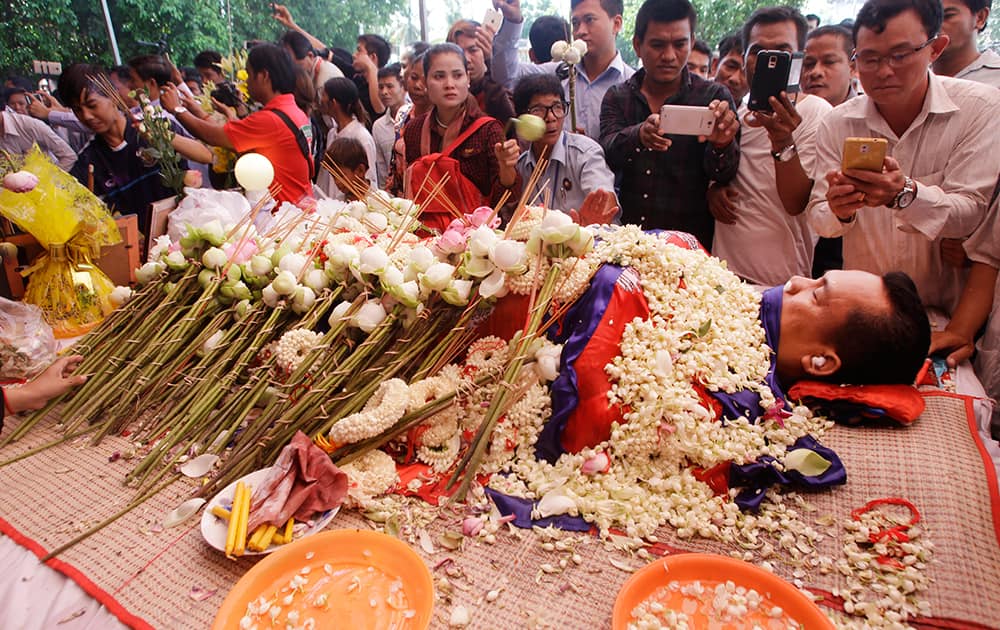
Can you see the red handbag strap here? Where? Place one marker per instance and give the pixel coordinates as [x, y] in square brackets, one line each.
[471, 129]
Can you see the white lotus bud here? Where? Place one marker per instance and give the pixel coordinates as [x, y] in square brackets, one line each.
[284, 283]
[214, 258]
[338, 313]
[270, 296]
[120, 295]
[558, 49]
[260, 265]
[369, 316]
[303, 299]
[438, 276]
[572, 56]
[293, 263]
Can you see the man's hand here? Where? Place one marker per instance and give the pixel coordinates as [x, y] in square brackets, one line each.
[879, 189]
[599, 207]
[363, 63]
[722, 203]
[169, 99]
[649, 134]
[843, 198]
[225, 110]
[958, 347]
[953, 253]
[57, 379]
[510, 9]
[38, 109]
[281, 13]
[507, 153]
[726, 125]
[484, 37]
[779, 123]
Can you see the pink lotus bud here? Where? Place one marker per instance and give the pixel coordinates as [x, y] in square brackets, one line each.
[599, 463]
[192, 179]
[20, 182]
[472, 525]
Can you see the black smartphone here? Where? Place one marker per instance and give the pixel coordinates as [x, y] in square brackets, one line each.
[770, 78]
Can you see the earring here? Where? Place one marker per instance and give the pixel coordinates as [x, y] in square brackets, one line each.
[818, 362]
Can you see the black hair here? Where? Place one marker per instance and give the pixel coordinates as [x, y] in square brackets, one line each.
[298, 44]
[975, 6]
[534, 84]
[391, 70]
[305, 91]
[124, 73]
[442, 49]
[730, 43]
[278, 64]
[846, 40]
[23, 83]
[875, 13]
[419, 48]
[887, 347]
[702, 46]
[345, 93]
[663, 11]
[152, 67]
[544, 32]
[776, 15]
[378, 45]
[611, 7]
[347, 153]
[77, 78]
[211, 59]
[190, 74]
[813, 16]
[466, 28]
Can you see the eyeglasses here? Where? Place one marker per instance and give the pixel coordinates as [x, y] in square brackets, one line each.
[558, 110]
[870, 63]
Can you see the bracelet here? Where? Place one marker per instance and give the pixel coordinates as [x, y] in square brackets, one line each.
[6, 405]
[846, 221]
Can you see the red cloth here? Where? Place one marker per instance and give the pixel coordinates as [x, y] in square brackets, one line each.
[902, 403]
[302, 483]
[263, 132]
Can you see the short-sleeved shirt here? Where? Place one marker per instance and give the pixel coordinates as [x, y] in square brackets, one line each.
[576, 168]
[20, 133]
[265, 133]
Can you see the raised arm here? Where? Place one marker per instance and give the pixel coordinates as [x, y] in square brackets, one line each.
[284, 16]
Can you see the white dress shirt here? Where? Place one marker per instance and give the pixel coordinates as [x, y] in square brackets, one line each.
[766, 245]
[984, 247]
[506, 70]
[985, 69]
[384, 135]
[949, 150]
[21, 133]
[576, 168]
[356, 130]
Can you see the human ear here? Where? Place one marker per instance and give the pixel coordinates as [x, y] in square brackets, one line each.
[616, 24]
[981, 16]
[635, 44]
[821, 365]
[938, 46]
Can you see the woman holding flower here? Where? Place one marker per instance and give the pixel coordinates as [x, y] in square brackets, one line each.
[458, 129]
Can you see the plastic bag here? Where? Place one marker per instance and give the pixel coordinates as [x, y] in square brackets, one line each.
[202, 205]
[27, 345]
[72, 225]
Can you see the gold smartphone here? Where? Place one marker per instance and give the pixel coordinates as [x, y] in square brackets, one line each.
[866, 154]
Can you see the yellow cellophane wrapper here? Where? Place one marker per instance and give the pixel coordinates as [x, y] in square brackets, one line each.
[72, 225]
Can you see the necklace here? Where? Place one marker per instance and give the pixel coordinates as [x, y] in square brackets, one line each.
[443, 125]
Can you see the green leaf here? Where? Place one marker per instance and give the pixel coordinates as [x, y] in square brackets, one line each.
[809, 463]
[705, 328]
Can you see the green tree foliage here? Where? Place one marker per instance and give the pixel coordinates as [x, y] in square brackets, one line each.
[73, 30]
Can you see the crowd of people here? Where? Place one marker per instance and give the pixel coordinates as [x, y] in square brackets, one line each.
[765, 190]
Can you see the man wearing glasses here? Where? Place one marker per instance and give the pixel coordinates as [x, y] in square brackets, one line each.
[576, 166]
[941, 167]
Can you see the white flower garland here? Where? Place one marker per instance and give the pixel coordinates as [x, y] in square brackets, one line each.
[371, 475]
[383, 409]
[293, 347]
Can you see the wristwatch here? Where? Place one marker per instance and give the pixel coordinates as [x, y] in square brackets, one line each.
[786, 154]
[906, 196]
[180, 109]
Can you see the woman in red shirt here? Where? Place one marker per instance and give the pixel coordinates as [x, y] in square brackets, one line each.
[485, 158]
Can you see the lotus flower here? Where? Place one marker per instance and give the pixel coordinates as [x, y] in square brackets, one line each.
[20, 182]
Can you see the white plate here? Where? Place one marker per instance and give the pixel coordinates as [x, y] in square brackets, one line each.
[214, 529]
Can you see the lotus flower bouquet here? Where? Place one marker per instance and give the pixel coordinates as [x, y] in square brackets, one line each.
[570, 54]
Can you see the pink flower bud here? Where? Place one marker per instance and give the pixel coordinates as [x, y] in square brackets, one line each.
[20, 182]
[472, 525]
[599, 463]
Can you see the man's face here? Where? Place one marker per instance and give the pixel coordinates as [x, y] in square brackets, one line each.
[903, 80]
[592, 24]
[257, 83]
[826, 69]
[732, 74]
[960, 24]
[540, 105]
[698, 63]
[813, 23]
[664, 50]
[474, 55]
[95, 111]
[210, 75]
[415, 85]
[390, 92]
[361, 52]
[18, 102]
[777, 36]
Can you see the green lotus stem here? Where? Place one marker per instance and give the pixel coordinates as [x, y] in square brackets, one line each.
[44, 447]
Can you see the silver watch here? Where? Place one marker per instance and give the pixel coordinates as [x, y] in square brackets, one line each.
[906, 196]
[180, 109]
[786, 154]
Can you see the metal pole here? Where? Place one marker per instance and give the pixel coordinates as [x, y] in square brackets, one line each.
[423, 22]
[111, 32]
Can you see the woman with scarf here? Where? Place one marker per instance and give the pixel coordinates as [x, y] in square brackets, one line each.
[457, 139]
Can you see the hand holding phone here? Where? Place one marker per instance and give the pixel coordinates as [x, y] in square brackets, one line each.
[866, 154]
[493, 20]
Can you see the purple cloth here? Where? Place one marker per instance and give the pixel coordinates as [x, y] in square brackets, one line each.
[756, 478]
[521, 509]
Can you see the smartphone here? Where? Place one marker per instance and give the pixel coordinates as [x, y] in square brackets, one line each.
[493, 19]
[795, 73]
[686, 120]
[770, 78]
[866, 154]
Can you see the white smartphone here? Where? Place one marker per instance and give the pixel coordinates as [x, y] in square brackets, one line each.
[686, 120]
[795, 73]
[493, 19]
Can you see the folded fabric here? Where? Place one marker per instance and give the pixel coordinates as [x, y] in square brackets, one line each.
[902, 403]
[521, 510]
[302, 483]
[756, 478]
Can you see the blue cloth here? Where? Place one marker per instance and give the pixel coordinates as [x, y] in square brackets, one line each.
[756, 478]
[521, 509]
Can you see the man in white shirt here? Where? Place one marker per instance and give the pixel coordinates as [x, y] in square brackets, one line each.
[963, 21]
[596, 22]
[392, 94]
[940, 172]
[760, 230]
[18, 134]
